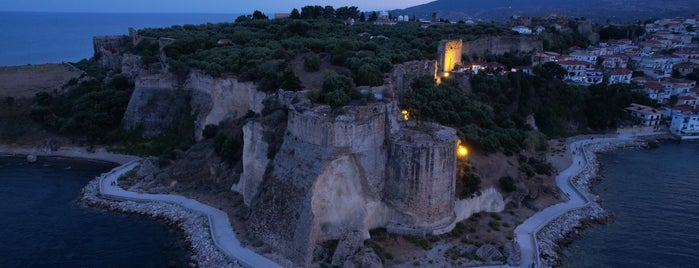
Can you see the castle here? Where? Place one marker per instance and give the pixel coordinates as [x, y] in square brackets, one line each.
[336, 175]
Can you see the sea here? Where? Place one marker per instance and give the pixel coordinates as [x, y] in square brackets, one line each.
[654, 196]
[44, 37]
[43, 224]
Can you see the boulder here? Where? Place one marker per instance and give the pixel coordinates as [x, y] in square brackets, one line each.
[148, 167]
[364, 258]
[488, 252]
[347, 246]
[513, 253]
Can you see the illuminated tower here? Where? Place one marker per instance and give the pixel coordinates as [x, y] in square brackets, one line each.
[449, 55]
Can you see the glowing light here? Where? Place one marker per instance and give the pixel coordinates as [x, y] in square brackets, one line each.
[461, 150]
[406, 115]
[446, 74]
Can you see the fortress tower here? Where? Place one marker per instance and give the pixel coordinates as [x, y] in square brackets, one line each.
[449, 55]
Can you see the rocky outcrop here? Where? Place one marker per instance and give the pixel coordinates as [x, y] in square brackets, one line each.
[216, 99]
[157, 100]
[489, 200]
[254, 162]
[154, 104]
[364, 258]
[488, 253]
[498, 45]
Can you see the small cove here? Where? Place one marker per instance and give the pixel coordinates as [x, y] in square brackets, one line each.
[43, 224]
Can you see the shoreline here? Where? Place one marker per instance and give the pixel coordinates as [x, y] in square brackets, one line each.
[561, 230]
[193, 227]
[547, 234]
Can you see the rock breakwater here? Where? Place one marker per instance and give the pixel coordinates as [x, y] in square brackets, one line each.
[194, 226]
[559, 230]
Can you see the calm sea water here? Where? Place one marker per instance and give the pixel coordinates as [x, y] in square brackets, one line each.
[34, 38]
[654, 195]
[42, 224]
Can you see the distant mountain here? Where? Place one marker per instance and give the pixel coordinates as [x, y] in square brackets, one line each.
[598, 10]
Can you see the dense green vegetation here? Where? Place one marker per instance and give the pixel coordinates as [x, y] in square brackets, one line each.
[93, 107]
[262, 48]
[494, 115]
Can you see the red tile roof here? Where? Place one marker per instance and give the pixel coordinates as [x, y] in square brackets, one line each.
[573, 62]
[653, 85]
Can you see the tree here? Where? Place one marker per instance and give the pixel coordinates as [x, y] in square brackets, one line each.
[328, 12]
[289, 80]
[337, 98]
[295, 14]
[258, 15]
[507, 184]
[362, 17]
[549, 70]
[373, 16]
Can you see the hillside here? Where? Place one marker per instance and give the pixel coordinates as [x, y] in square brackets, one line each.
[598, 10]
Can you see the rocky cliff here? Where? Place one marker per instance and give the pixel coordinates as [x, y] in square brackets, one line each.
[156, 98]
[499, 45]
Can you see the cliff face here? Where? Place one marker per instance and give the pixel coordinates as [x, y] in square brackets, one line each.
[215, 99]
[156, 98]
[499, 45]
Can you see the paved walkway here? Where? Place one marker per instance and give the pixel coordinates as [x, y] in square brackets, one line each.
[221, 230]
[525, 233]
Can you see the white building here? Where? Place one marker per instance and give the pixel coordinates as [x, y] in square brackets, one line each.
[650, 117]
[522, 29]
[575, 70]
[685, 125]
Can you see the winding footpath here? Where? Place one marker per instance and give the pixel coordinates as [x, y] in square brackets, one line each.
[221, 231]
[526, 232]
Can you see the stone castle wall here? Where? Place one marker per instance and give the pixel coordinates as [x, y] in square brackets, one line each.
[360, 127]
[402, 76]
[499, 45]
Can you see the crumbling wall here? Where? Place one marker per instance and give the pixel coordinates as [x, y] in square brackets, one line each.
[402, 76]
[498, 45]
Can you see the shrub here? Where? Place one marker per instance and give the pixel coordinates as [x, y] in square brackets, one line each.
[311, 63]
[507, 184]
[210, 131]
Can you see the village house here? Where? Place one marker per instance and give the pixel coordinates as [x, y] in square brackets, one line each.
[684, 68]
[656, 67]
[680, 86]
[650, 117]
[619, 76]
[656, 91]
[685, 124]
[688, 55]
[575, 70]
[593, 76]
[585, 56]
[544, 57]
[615, 61]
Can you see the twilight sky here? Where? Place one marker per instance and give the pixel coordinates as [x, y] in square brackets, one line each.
[196, 6]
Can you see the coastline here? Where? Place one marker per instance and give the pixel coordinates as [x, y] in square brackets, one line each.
[195, 227]
[99, 154]
[547, 237]
[560, 230]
